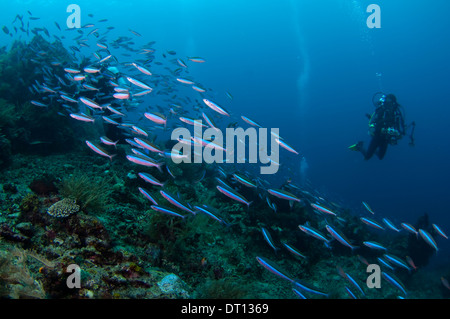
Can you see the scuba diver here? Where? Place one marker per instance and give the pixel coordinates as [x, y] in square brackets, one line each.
[386, 126]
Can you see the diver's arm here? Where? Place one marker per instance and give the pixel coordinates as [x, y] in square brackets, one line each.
[374, 118]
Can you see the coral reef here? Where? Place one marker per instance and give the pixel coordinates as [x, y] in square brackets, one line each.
[16, 279]
[72, 207]
[24, 127]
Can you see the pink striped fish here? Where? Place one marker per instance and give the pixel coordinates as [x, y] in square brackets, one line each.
[198, 88]
[138, 83]
[249, 121]
[114, 110]
[97, 149]
[323, 209]
[108, 141]
[105, 58]
[91, 70]
[428, 239]
[79, 77]
[150, 179]
[197, 60]
[371, 223]
[284, 145]
[141, 159]
[281, 193]
[185, 81]
[82, 117]
[158, 118]
[231, 193]
[142, 69]
[138, 130]
[141, 93]
[176, 201]
[71, 70]
[439, 231]
[109, 120]
[147, 145]
[409, 228]
[68, 98]
[121, 96]
[216, 107]
[90, 103]
[339, 237]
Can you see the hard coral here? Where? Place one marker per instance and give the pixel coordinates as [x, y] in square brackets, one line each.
[64, 208]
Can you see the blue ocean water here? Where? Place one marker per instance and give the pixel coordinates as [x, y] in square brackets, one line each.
[310, 69]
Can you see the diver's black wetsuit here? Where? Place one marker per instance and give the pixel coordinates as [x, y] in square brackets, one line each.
[387, 125]
[380, 142]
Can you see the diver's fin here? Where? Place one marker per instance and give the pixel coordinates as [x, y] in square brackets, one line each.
[356, 147]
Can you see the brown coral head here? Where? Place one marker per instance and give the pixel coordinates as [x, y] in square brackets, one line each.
[43, 186]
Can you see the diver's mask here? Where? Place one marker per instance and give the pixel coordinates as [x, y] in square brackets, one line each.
[382, 100]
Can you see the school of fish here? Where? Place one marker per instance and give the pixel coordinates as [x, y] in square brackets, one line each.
[145, 92]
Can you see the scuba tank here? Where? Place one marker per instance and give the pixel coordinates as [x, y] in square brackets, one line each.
[390, 133]
[378, 100]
